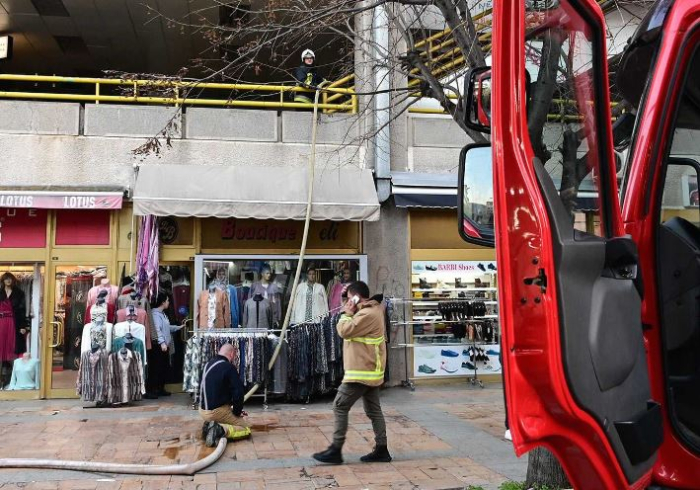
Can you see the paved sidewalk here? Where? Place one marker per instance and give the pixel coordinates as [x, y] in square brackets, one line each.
[441, 437]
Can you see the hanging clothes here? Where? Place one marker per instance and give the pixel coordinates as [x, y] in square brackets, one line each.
[181, 301]
[25, 375]
[111, 298]
[8, 334]
[143, 318]
[232, 294]
[13, 322]
[136, 345]
[222, 313]
[100, 335]
[272, 293]
[310, 302]
[125, 379]
[92, 376]
[110, 312]
[257, 313]
[136, 329]
[77, 288]
[191, 365]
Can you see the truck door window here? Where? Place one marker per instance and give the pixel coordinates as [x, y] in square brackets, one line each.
[566, 128]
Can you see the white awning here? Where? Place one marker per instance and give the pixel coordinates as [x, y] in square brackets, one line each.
[343, 194]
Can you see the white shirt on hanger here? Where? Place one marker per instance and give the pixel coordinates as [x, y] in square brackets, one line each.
[136, 329]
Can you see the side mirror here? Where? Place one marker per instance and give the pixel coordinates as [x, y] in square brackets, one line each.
[478, 99]
[476, 218]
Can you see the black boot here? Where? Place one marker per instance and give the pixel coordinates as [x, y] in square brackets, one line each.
[379, 455]
[332, 455]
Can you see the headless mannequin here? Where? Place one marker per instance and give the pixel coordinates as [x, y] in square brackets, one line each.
[98, 331]
[132, 333]
[25, 373]
[270, 291]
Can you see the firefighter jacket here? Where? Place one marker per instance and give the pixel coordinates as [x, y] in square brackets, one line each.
[364, 346]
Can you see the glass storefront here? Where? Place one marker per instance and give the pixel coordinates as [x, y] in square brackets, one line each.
[246, 291]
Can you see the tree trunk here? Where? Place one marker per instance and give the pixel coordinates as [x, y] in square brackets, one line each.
[543, 468]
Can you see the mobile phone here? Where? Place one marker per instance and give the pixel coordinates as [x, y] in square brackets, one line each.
[355, 299]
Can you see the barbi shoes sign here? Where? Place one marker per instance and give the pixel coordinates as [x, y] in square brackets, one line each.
[5, 47]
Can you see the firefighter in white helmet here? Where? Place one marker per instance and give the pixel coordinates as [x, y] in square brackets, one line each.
[307, 76]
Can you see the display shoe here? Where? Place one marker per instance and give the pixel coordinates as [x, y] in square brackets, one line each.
[423, 284]
[425, 369]
[214, 433]
[446, 368]
[379, 455]
[481, 266]
[492, 352]
[458, 283]
[449, 353]
[468, 365]
[431, 268]
[332, 455]
[491, 267]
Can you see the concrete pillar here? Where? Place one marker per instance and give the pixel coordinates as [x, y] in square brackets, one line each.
[388, 255]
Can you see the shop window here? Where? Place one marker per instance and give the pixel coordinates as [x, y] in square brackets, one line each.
[22, 228]
[256, 292]
[454, 327]
[20, 326]
[82, 227]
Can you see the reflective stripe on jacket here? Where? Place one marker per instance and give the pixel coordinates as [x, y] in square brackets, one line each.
[364, 349]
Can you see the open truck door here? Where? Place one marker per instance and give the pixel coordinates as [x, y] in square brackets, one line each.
[575, 366]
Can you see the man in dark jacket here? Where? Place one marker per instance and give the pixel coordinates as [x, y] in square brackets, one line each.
[307, 76]
[221, 404]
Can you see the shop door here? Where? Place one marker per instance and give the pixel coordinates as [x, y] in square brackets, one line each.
[69, 288]
[20, 331]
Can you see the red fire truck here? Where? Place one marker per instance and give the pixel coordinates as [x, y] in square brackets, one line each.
[599, 263]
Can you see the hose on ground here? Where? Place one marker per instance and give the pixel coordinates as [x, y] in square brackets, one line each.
[133, 469]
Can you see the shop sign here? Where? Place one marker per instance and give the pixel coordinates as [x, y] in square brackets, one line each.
[22, 228]
[248, 234]
[453, 266]
[81, 200]
[168, 230]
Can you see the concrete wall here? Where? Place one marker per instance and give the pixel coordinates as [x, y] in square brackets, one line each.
[46, 143]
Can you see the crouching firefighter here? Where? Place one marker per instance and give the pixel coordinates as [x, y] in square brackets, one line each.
[221, 400]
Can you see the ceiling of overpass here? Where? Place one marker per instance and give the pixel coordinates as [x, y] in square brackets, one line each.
[85, 37]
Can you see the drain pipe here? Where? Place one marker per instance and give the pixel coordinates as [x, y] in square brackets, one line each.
[382, 115]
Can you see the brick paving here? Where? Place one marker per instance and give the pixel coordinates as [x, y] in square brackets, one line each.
[444, 437]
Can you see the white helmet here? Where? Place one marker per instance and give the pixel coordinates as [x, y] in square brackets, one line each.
[307, 53]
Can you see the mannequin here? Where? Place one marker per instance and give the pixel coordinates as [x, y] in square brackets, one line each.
[311, 302]
[98, 332]
[13, 324]
[214, 309]
[257, 313]
[335, 299]
[25, 373]
[105, 285]
[125, 372]
[270, 291]
[131, 329]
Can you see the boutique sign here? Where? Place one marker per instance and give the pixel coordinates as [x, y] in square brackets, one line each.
[45, 200]
[271, 234]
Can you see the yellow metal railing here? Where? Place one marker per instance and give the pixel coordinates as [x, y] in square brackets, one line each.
[165, 92]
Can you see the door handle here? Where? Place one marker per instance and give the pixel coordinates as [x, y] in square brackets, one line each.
[622, 261]
[55, 329]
